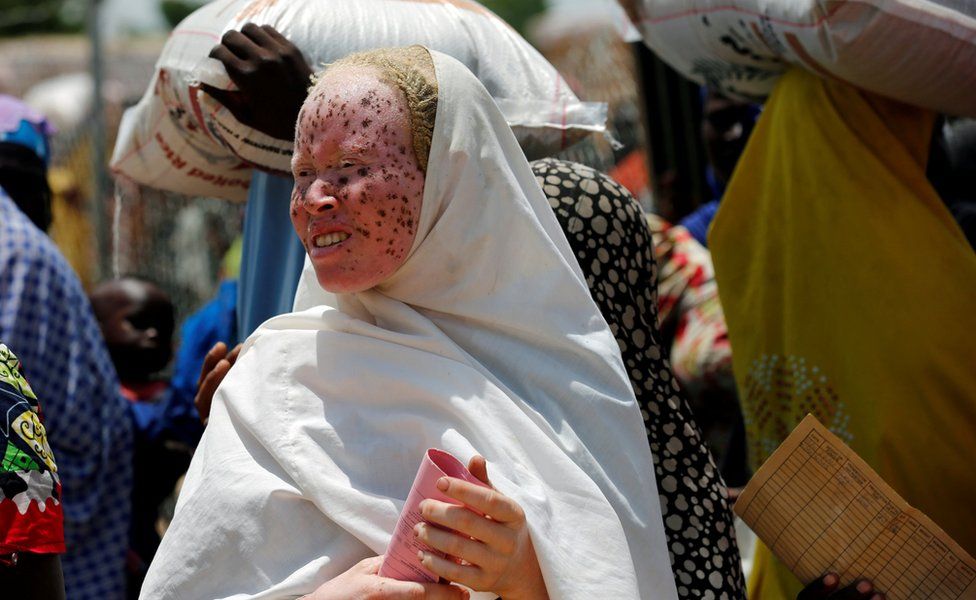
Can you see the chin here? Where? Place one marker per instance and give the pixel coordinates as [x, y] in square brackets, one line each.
[342, 285]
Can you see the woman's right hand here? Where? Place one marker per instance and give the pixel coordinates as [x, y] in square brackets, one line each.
[825, 588]
[362, 582]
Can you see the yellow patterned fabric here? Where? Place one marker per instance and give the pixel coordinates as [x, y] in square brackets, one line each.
[10, 373]
[849, 292]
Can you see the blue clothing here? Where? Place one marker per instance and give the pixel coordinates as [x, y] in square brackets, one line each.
[167, 429]
[273, 256]
[170, 417]
[215, 322]
[697, 222]
[45, 315]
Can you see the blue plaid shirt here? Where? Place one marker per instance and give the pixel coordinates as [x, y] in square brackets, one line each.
[45, 315]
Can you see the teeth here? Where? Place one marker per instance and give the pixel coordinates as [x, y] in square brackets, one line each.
[329, 239]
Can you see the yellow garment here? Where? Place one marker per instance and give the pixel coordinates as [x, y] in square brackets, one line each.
[850, 293]
[70, 228]
[230, 265]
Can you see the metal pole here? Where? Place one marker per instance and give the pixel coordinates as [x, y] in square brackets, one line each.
[100, 182]
[675, 146]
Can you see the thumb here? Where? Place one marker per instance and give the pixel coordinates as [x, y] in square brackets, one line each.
[371, 565]
[479, 468]
[232, 100]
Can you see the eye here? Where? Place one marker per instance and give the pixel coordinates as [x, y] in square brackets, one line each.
[303, 172]
[346, 164]
[140, 321]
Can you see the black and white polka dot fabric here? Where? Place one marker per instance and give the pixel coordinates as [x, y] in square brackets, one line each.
[606, 229]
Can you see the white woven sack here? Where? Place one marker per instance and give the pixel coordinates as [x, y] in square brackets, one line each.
[922, 52]
[178, 138]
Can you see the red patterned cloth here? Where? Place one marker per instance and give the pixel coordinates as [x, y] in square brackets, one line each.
[689, 312]
[31, 516]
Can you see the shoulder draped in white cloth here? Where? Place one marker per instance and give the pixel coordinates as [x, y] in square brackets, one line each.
[485, 341]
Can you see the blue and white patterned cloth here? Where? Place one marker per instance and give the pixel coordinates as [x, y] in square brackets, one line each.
[45, 315]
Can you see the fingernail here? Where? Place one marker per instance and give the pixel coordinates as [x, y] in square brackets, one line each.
[878, 597]
[864, 587]
[417, 529]
[830, 580]
[442, 484]
[421, 555]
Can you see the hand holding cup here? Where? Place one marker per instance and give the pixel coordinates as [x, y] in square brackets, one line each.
[485, 539]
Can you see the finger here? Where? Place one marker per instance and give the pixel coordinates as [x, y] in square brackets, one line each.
[222, 96]
[233, 100]
[232, 357]
[241, 45]
[470, 575]
[233, 64]
[453, 544]
[217, 375]
[441, 591]
[479, 468]
[488, 501]
[203, 408]
[391, 589]
[205, 393]
[287, 49]
[213, 356]
[859, 590]
[820, 588]
[466, 522]
[260, 37]
[278, 37]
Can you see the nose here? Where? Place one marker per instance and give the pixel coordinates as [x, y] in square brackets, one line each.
[320, 197]
[733, 133]
[150, 338]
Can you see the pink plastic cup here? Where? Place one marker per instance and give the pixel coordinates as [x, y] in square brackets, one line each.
[401, 560]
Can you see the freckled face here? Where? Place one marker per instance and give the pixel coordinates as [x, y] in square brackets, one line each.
[358, 186]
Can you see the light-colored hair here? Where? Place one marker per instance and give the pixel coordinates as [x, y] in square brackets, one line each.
[411, 70]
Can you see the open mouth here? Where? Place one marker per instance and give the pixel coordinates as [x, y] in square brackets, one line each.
[329, 239]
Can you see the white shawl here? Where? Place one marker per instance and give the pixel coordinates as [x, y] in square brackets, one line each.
[485, 341]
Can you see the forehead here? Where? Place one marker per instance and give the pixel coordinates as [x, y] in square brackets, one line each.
[350, 100]
[143, 293]
[125, 295]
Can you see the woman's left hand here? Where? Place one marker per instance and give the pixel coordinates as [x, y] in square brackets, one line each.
[496, 548]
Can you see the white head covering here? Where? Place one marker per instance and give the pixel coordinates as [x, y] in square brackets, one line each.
[485, 341]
